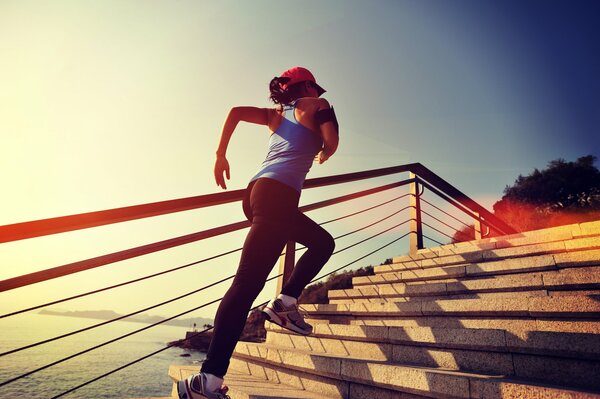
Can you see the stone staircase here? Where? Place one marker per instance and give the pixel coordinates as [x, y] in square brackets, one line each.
[508, 317]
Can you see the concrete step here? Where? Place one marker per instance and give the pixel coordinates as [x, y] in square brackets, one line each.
[479, 256]
[555, 234]
[550, 343]
[581, 279]
[491, 268]
[480, 351]
[348, 376]
[569, 307]
[245, 386]
[562, 313]
[500, 296]
[512, 324]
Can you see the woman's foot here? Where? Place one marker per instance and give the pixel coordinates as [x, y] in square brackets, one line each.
[288, 317]
[194, 387]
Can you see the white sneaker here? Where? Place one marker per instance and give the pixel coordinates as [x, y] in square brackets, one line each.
[193, 387]
[288, 317]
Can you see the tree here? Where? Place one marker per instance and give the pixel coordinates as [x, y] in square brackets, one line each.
[563, 193]
[466, 233]
[562, 185]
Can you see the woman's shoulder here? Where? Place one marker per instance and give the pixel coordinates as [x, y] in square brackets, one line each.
[312, 103]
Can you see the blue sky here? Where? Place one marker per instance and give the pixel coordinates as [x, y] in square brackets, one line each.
[116, 103]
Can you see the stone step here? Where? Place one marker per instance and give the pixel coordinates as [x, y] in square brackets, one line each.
[245, 386]
[454, 349]
[570, 307]
[512, 324]
[586, 278]
[555, 234]
[486, 295]
[551, 343]
[340, 373]
[574, 245]
[491, 268]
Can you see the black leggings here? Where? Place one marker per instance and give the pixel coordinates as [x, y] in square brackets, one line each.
[272, 207]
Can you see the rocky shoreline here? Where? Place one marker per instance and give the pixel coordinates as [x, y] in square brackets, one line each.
[254, 331]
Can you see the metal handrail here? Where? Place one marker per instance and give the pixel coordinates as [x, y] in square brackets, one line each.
[419, 175]
[21, 231]
[75, 267]
[38, 228]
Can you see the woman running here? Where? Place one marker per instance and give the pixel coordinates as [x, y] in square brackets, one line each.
[302, 128]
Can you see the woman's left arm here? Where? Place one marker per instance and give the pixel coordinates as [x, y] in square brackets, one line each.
[236, 114]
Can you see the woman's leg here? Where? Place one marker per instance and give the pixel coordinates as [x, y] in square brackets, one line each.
[272, 206]
[320, 246]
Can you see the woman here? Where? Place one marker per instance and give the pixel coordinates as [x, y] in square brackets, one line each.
[302, 128]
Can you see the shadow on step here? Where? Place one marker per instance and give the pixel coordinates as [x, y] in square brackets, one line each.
[559, 347]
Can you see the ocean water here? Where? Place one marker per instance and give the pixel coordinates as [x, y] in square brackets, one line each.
[144, 379]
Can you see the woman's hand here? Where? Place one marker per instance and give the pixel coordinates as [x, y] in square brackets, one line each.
[321, 157]
[221, 165]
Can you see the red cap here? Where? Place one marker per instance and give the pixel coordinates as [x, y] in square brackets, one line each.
[299, 74]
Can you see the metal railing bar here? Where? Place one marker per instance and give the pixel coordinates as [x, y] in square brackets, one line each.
[439, 231]
[115, 339]
[59, 271]
[406, 221]
[182, 267]
[372, 224]
[443, 196]
[450, 191]
[143, 357]
[444, 223]
[187, 294]
[127, 365]
[489, 222]
[447, 214]
[38, 228]
[118, 285]
[201, 332]
[102, 344]
[361, 258]
[358, 194]
[350, 177]
[76, 267]
[431, 239]
[20, 231]
[116, 318]
[365, 210]
[62, 224]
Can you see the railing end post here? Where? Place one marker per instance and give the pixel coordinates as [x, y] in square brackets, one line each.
[416, 228]
[477, 225]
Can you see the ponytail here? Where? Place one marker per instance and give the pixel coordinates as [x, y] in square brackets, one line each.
[279, 95]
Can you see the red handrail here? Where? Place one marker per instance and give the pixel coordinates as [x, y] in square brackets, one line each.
[43, 227]
[37, 228]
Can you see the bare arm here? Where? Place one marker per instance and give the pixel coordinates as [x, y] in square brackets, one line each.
[247, 114]
[330, 135]
[237, 114]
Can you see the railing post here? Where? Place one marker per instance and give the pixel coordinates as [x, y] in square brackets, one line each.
[286, 265]
[477, 225]
[416, 229]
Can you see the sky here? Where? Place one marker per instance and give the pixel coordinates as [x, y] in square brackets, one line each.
[120, 102]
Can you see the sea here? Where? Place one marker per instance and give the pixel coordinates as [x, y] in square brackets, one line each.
[147, 378]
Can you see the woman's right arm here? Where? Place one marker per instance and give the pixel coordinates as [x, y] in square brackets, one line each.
[236, 114]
